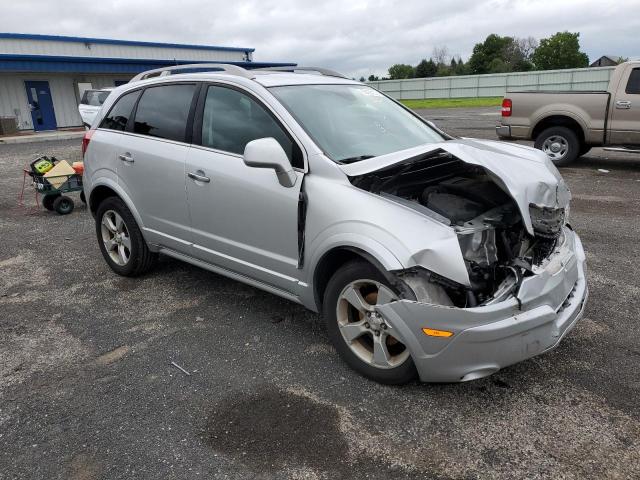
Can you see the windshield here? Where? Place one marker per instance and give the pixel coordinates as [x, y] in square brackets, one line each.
[353, 122]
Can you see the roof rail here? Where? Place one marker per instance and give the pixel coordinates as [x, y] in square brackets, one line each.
[320, 70]
[164, 71]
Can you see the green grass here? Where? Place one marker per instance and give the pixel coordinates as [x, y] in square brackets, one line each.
[453, 102]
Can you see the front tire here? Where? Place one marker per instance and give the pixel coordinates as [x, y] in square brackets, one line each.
[358, 333]
[121, 242]
[561, 144]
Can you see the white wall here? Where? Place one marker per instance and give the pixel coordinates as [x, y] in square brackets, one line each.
[78, 49]
[13, 96]
[496, 84]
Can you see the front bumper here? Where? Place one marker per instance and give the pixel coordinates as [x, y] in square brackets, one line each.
[488, 338]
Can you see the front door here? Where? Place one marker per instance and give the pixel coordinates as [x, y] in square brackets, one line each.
[242, 219]
[41, 104]
[625, 116]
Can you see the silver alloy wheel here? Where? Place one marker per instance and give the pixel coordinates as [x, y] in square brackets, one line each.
[364, 330]
[115, 237]
[556, 147]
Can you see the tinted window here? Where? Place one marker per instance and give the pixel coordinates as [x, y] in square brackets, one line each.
[232, 119]
[633, 86]
[94, 98]
[119, 114]
[162, 111]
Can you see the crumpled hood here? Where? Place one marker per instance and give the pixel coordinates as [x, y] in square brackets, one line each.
[527, 174]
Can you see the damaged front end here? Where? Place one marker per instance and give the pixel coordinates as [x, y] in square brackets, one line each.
[497, 248]
[525, 286]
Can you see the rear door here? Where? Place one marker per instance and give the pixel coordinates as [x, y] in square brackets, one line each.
[151, 161]
[625, 117]
[243, 220]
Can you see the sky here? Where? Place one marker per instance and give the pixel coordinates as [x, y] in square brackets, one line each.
[357, 37]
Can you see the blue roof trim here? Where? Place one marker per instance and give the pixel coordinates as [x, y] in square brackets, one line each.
[107, 41]
[68, 64]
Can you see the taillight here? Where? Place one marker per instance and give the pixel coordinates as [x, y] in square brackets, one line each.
[506, 107]
[85, 141]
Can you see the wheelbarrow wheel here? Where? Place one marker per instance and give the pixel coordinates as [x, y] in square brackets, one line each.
[83, 199]
[63, 205]
[47, 200]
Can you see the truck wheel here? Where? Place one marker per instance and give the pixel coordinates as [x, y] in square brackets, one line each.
[561, 144]
[358, 333]
[63, 205]
[584, 149]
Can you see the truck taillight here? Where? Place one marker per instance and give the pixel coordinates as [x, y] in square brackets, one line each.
[85, 141]
[506, 107]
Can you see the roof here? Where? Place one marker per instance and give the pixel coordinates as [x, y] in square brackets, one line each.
[264, 78]
[135, 43]
[279, 79]
[62, 64]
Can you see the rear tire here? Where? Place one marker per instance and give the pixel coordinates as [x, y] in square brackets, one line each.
[368, 335]
[63, 205]
[120, 239]
[561, 144]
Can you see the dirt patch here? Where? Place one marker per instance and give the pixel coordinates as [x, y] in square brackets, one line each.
[113, 355]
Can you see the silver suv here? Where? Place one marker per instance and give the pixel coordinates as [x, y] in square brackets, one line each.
[428, 255]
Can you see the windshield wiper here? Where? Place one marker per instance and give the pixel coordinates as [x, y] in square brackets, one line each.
[355, 159]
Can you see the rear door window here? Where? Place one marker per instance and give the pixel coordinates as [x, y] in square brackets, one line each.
[633, 85]
[231, 119]
[120, 113]
[163, 111]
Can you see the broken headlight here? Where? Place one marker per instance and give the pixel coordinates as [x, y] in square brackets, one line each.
[547, 222]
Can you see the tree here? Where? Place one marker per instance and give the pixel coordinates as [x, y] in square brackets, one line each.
[440, 55]
[373, 78]
[426, 68]
[561, 50]
[501, 54]
[400, 71]
[362, 79]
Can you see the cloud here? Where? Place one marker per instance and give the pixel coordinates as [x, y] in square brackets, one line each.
[359, 37]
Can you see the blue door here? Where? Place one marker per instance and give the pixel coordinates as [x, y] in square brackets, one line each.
[41, 105]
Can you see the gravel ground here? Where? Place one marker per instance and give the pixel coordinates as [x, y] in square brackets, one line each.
[87, 390]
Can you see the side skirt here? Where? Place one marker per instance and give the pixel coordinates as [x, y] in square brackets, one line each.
[229, 274]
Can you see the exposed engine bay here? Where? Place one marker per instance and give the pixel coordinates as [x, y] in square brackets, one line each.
[497, 248]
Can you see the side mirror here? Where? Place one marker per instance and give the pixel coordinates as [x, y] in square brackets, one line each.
[267, 153]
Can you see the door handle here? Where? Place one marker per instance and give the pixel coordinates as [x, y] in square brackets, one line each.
[198, 177]
[623, 104]
[126, 157]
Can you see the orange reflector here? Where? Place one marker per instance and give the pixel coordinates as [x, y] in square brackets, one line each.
[436, 333]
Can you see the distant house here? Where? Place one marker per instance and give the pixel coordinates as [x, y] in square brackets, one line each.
[607, 61]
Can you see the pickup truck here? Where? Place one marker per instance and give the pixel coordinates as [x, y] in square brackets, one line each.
[565, 125]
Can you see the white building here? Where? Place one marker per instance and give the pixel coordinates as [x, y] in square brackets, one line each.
[42, 77]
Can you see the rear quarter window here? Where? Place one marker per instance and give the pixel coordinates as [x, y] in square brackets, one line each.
[120, 113]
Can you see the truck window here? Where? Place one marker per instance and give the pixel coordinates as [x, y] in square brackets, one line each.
[633, 85]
